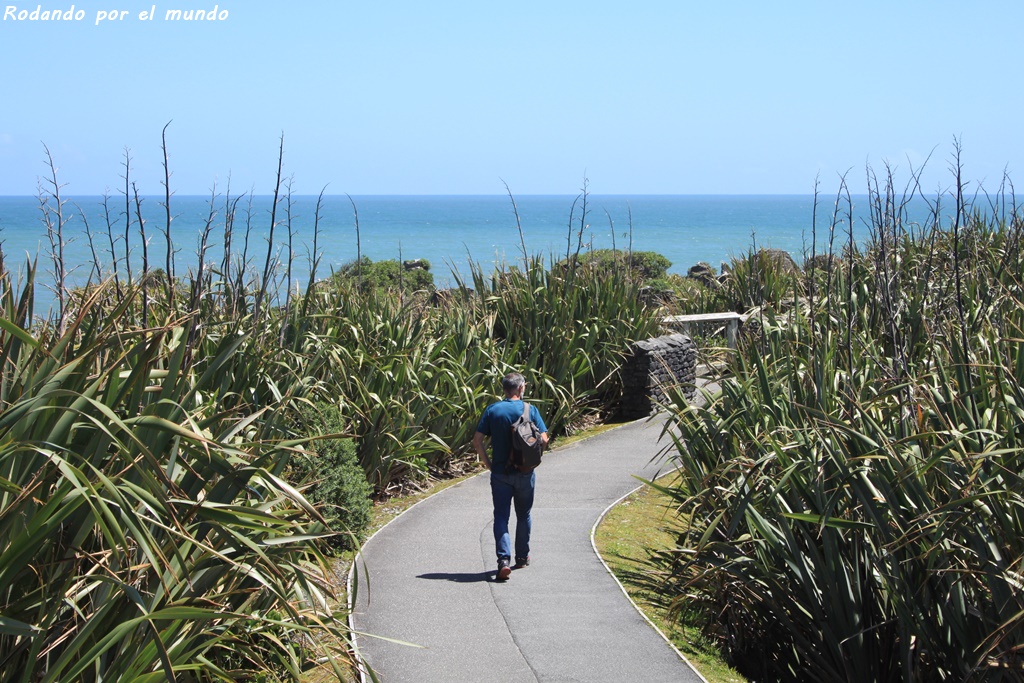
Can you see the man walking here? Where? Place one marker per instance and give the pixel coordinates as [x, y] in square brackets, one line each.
[508, 484]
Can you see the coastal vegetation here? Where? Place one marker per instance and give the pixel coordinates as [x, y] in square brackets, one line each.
[181, 454]
[850, 501]
[407, 277]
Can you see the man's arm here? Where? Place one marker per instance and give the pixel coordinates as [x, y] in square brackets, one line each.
[481, 452]
[539, 421]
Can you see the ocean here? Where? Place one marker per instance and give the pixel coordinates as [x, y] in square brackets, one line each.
[448, 231]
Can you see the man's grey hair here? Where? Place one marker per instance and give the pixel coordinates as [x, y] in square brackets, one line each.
[513, 383]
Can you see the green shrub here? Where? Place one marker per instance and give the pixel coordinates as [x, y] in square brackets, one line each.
[693, 296]
[643, 265]
[337, 481]
[405, 376]
[407, 277]
[762, 278]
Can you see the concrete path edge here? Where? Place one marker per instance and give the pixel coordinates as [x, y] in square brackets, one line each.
[593, 544]
[363, 670]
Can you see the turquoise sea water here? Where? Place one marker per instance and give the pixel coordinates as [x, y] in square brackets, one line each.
[446, 230]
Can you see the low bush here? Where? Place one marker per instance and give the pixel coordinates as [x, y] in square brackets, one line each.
[642, 265]
[407, 277]
[331, 470]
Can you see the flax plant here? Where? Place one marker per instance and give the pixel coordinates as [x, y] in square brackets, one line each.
[409, 378]
[146, 532]
[852, 495]
[570, 326]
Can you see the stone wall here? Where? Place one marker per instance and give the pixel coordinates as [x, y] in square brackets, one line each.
[652, 365]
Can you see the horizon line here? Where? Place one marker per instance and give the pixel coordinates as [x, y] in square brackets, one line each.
[454, 194]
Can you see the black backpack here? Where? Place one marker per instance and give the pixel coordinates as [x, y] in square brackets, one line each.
[527, 448]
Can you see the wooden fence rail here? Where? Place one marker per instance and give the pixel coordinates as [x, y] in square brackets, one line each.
[731, 321]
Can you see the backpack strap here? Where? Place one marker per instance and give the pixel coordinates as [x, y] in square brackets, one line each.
[526, 410]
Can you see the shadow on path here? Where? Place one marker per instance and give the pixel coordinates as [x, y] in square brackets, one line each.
[475, 577]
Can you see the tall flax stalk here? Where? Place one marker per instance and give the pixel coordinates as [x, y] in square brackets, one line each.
[263, 288]
[168, 243]
[52, 207]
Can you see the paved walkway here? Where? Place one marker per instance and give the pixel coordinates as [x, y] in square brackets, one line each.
[563, 618]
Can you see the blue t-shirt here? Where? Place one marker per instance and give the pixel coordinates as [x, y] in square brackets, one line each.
[496, 422]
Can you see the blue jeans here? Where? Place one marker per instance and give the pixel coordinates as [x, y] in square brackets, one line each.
[506, 489]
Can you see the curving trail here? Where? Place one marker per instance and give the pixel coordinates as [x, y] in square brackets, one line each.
[563, 618]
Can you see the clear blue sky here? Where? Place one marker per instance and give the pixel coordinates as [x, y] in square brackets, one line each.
[450, 97]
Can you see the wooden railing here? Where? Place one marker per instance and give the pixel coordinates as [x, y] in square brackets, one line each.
[731, 321]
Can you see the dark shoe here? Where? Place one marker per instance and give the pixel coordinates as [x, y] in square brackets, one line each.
[504, 571]
[521, 562]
